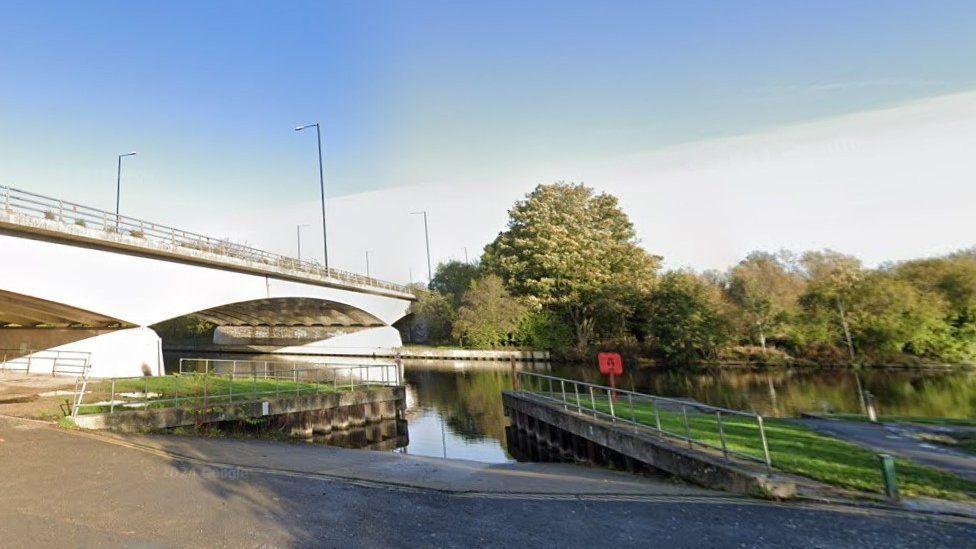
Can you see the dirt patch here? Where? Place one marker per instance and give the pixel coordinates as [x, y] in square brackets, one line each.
[36, 397]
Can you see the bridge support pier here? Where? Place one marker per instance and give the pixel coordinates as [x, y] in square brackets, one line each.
[124, 352]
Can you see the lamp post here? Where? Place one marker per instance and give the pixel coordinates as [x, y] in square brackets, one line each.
[367, 263]
[325, 239]
[430, 273]
[118, 186]
[298, 233]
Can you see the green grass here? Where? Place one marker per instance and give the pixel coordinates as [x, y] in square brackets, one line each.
[193, 390]
[795, 449]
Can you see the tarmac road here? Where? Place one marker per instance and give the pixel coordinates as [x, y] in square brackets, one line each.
[64, 489]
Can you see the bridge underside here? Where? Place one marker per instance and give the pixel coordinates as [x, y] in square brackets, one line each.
[21, 311]
[278, 323]
[32, 328]
[289, 312]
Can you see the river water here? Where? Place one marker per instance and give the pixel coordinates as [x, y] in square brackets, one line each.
[454, 407]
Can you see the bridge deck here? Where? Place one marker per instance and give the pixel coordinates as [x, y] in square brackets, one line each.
[39, 216]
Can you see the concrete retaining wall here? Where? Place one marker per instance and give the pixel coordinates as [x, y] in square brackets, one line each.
[576, 437]
[304, 415]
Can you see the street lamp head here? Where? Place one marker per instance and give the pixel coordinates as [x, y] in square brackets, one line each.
[133, 153]
[300, 128]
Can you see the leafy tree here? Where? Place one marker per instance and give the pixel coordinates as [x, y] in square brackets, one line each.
[953, 279]
[765, 291]
[573, 252]
[435, 315]
[686, 323]
[454, 278]
[888, 315]
[831, 277]
[542, 329]
[488, 315]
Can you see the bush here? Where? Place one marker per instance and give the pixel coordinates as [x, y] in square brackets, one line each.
[686, 323]
[545, 331]
[488, 316]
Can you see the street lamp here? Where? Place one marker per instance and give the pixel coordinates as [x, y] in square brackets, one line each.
[118, 186]
[298, 233]
[430, 274]
[367, 263]
[325, 240]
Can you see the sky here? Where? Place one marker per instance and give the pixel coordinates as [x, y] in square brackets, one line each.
[723, 127]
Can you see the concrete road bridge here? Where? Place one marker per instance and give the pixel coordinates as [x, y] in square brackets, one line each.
[79, 281]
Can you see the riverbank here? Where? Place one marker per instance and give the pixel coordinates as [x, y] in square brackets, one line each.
[407, 352]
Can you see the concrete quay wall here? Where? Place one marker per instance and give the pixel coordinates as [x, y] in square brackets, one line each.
[304, 415]
[566, 435]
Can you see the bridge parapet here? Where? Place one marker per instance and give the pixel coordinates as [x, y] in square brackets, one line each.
[42, 216]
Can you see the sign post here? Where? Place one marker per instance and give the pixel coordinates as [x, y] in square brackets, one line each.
[611, 365]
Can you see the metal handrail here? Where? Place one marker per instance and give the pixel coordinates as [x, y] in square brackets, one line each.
[532, 383]
[62, 362]
[70, 213]
[213, 365]
[357, 375]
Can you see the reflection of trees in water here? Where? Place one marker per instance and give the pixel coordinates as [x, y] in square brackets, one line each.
[788, 392]
[469, 401]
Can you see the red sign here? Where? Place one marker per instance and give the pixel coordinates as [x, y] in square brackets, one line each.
[610, 364]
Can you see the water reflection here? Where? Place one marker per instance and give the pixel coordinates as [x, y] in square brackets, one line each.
[454, 408]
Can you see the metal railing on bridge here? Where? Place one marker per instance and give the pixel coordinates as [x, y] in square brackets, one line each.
[731, 432]
[54, 362]
[71, 214]
[209, 382]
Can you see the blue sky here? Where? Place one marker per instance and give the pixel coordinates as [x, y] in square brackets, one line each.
[428, 93]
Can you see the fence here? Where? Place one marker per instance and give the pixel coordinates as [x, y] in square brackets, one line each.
[240, 381]
[732, 432]
[54, 362]
[77, 215]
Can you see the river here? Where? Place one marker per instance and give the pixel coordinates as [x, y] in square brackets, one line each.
[454, 407]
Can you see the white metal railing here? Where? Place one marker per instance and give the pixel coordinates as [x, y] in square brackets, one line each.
[690, 422]
[55, 362]
[240, 381]
[69, 214]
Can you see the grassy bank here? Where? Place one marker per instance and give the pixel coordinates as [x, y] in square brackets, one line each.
[796, 449]
[193, 391]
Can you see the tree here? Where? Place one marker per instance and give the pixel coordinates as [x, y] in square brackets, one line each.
[488, 315]
[543, 329]
[888, 315]
[686, 323]
[574, 252]
[831, 277]
[764, 289]
[435, 315]
[953, 279]
[454, 278]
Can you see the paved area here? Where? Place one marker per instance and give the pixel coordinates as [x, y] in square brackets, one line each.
[65, 489]
[896, 439]
[429, 473]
